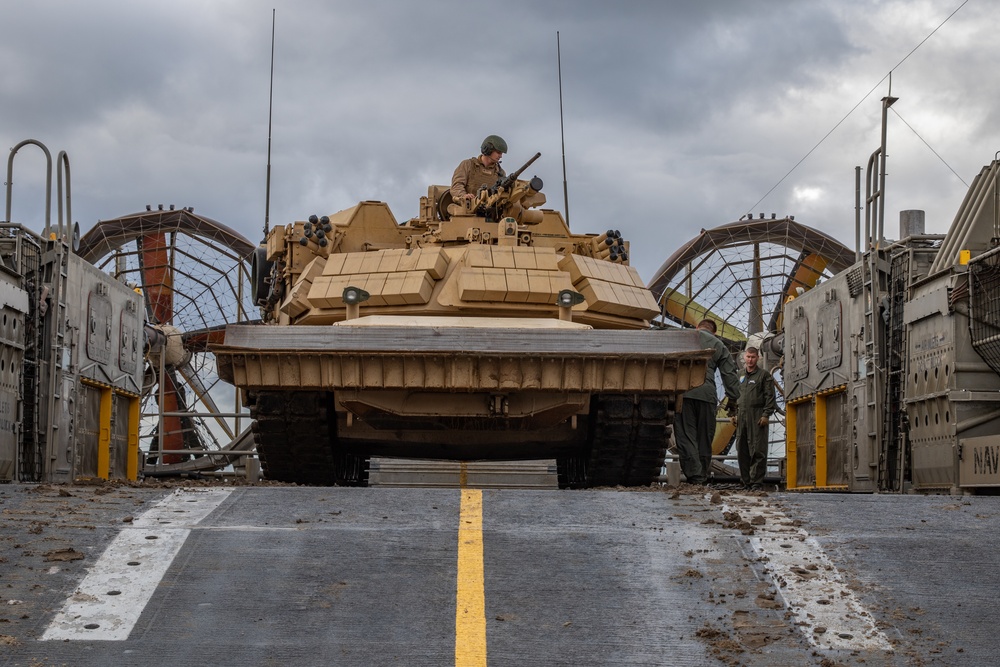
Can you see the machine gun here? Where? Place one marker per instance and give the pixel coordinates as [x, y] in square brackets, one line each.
[507, 182]
[494, 201]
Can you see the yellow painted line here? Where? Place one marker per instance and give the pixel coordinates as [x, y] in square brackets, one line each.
[470, 604]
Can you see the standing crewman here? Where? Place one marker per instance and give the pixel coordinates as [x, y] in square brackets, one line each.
[754, 409]
[695, 426]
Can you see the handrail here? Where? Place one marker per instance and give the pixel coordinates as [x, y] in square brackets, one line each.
[48, 179]
[63, 160]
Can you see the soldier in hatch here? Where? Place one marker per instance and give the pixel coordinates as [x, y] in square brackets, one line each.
[472, 174]
[754, 409]
[695, 426]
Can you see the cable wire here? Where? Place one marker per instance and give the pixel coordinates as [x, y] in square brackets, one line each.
[929, 147]
[854, 108]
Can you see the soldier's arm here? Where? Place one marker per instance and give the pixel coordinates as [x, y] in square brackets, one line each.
[729, 371]
[460, 180]
[770, 404]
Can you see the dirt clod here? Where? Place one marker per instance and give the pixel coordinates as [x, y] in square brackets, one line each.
[63, 555]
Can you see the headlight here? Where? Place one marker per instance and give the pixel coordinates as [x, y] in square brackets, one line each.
[353, 295]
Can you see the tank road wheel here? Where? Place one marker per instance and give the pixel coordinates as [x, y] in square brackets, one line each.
[294, 436]
[629, 439]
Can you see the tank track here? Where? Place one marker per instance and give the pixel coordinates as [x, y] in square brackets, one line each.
[296, 440]
[628, 443]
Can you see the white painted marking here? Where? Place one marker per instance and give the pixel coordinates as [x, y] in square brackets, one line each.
[828, 612]
[118, 587]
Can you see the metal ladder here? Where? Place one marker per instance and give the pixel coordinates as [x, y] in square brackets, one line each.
[876, 276]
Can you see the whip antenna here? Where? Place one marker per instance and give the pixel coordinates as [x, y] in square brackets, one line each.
[270, 102]
[562, 136]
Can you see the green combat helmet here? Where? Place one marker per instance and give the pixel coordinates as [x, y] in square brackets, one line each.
[493, 143]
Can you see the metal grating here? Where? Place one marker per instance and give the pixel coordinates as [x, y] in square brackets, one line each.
[855, 281]
[805, 438]
[984, 307]
[838, 439]
[894, 424]
[20, 251]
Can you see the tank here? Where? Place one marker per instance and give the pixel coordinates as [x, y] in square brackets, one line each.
[479, 330]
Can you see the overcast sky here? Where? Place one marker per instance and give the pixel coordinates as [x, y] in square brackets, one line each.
[678, 115]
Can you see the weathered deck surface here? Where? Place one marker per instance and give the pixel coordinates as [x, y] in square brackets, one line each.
[273, 575]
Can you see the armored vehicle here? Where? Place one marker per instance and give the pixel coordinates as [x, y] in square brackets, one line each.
[479, 330]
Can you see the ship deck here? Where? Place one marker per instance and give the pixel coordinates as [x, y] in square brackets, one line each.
[269, 574]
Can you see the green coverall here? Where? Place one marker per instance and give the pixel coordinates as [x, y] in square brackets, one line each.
[756, 401]
[694, 427]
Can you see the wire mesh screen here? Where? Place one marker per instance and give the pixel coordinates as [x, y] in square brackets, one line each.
[194, 276]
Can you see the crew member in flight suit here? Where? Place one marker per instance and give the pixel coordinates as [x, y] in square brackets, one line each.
[754, 408]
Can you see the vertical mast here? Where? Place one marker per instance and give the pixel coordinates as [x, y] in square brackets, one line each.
[562, 136]
[270, 101]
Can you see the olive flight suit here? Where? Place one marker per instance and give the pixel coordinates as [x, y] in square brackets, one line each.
[694, 427]
[756, 401]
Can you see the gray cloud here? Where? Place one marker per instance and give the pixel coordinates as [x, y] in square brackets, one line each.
[678, 116]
